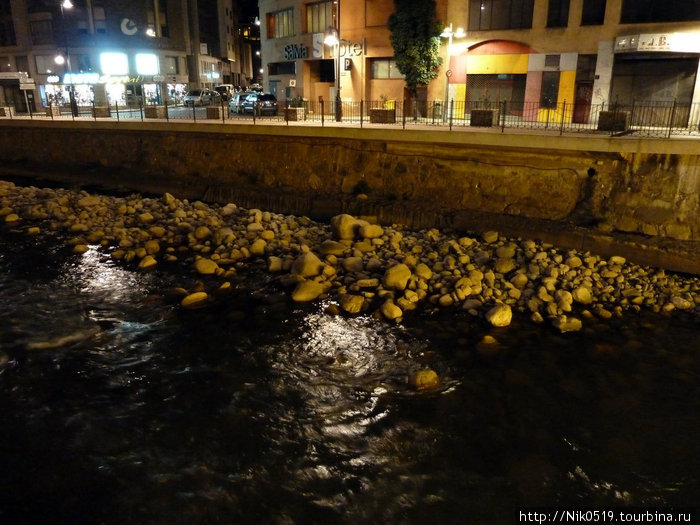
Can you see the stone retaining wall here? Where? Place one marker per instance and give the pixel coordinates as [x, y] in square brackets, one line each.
[416, 177]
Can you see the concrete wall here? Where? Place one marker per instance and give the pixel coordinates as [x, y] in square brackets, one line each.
[418, 177]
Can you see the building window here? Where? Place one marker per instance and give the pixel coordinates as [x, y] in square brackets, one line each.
[41, 31]
[5, 64]
[550, 89]
[22, 63]
[383, 68]
[558, 13]
[319, 17]
[98, 16]
[593, 13]
[640, 11]
[281, 68]
[280, 24]
[171, 65]
[500, 14]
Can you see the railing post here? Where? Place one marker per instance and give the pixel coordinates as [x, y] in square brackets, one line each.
[141, 107]
[116, 109]
[404, 113]
[670, 122]
[362, 110]
[452, 110]
[51, 109]
[194, 112]
[94, 113]
[223, 114]
[503, 116]
[563, 113]
[323, 113]
[167, 111]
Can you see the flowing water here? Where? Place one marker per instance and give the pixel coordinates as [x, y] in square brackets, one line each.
[119, 407]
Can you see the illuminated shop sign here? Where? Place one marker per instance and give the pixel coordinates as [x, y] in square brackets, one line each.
[146, 64]
[657, 42]
[114, 63]
[295, 51]
[345, 49]
[81, 78]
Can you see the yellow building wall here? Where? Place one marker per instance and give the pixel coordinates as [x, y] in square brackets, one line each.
[497, 64]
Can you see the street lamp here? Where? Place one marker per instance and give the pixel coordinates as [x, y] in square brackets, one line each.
[67, 4]
[332, 39]
[449, 34]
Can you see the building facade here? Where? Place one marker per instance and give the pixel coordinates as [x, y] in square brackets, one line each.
[540, 56]
[110, 52]
[568, 56]
[297, 61]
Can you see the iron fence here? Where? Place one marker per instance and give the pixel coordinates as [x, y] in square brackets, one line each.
[639, 118]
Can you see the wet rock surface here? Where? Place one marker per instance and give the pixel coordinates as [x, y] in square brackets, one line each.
[360, 266]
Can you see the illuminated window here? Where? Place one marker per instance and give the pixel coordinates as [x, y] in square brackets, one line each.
[147, 64]
[319, 17]
[280, 24]
[171, 66]
[114, 64]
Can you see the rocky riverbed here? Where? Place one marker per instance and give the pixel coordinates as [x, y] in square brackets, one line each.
[359, 265]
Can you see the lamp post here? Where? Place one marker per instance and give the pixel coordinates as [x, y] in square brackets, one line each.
[449, 34]
[67, 4]
[333, 39]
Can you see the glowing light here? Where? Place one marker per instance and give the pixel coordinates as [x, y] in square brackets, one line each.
[146, 64]
[114, 63]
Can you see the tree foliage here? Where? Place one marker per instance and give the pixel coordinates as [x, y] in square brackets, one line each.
[415, 37]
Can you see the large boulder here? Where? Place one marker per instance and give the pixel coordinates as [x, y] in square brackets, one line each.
[307, 291]
[307, 265]
[344, 226]
[499, 315]
[396, 277]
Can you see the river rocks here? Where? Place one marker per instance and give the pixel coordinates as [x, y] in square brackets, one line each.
[390, 310]
[425, 379]
[205, 266]
[307, 291]
[307, 265]
[351, 304]
[194, 299]
[359, 266]
[500, 315]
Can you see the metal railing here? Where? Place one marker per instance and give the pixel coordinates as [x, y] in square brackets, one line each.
[638, 118]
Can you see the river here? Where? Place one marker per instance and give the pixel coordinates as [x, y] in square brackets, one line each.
[120, 407]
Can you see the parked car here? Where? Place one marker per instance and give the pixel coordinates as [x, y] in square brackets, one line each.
[202, 97]
[225, 90]
[235, 103]
[260, 103]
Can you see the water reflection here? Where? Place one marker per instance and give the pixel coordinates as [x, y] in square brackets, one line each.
[255, 410]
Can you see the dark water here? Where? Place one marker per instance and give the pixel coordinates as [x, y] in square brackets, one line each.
[119, 407]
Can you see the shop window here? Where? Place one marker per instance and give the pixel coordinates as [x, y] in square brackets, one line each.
[487, 15]
[593, 12]
[550, 89]
[383, 68]
[320, 16]
[558, 13]
[640, 11]
[41, 31]
[280, 24]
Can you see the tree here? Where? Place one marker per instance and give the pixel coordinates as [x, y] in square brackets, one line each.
[415, 37]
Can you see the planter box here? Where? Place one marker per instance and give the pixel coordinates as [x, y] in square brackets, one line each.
[613, 121]
[295, 114]
[486, 118]
[101, 112]
[382, 116]
[154, 111]
[213, 112]
[53, 111]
